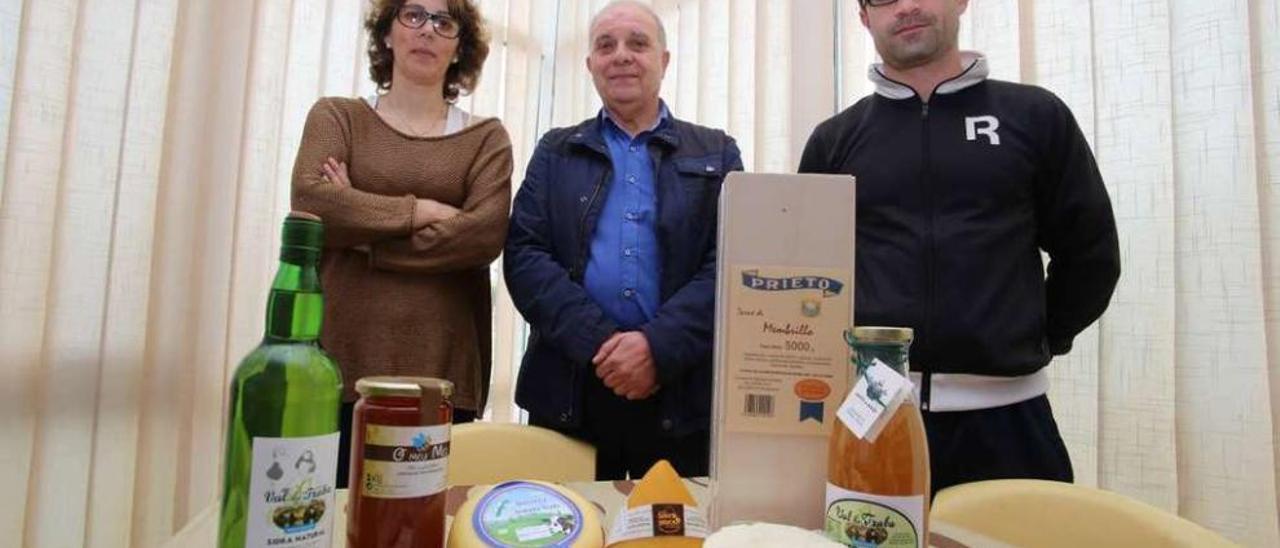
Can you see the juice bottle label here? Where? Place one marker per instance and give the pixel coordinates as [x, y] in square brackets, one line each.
[404, 461]
[864, 520]
[291, 491]
[873, 400]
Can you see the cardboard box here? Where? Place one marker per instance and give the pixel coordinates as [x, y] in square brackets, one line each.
[784, 298]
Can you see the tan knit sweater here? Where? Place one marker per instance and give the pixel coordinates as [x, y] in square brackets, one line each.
[418, 303]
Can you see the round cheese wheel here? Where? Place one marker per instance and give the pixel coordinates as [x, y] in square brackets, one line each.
[526, 513]
[762, 535]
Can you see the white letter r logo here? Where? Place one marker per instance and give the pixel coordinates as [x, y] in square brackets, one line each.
[989, 125]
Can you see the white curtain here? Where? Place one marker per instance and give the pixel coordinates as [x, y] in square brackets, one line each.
[1174, 396]
[146, 146]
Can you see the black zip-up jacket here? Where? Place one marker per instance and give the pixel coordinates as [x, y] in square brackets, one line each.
[956, 199]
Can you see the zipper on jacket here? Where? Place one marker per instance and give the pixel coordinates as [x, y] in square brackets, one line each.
[930, 274]
[655, 158]
[930, 268]
[580, 262]
[579, 274]
[566, 418]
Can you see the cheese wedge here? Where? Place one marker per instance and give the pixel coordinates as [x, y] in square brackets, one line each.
[660, 485]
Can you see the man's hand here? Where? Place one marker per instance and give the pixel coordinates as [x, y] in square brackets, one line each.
[625, 365]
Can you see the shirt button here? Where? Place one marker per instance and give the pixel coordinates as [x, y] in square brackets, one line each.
[666, 424]
[628, 252]
[631, 178]
[633, 148]
[631, 215]
[582, 199]
[628, 293]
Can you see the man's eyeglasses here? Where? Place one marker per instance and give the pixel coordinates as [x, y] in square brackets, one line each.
[877, 3]
[414, 17]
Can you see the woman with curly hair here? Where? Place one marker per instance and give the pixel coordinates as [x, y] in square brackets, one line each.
[414, 193]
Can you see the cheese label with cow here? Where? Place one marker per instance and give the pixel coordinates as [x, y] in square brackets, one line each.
[527, 514]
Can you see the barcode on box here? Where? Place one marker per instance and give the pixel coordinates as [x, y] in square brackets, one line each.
[759, 405]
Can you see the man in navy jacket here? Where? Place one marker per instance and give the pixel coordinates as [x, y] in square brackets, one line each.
[611, 259]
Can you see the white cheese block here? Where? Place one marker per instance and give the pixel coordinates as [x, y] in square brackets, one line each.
[767, 535]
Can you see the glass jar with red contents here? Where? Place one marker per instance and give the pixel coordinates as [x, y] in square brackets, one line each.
[399, 458]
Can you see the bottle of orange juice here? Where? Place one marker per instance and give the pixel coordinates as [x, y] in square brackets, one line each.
[878, 457]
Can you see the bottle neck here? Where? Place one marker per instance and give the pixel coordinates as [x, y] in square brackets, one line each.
[295, 307]
[895, 356]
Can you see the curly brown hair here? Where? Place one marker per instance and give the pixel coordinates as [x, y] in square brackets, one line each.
[473, 46]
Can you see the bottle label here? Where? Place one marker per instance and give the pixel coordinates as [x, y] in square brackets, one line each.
[527, 514]
[864, 520]
[873, 400]
[291, 492]
[404, 461]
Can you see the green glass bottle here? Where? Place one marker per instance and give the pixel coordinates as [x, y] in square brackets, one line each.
[282, 430]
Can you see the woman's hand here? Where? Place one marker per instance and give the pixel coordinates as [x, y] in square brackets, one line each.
[335, 172]
[428, 211]
[425, 211]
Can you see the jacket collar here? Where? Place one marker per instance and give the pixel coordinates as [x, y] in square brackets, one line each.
[590, 133]
[976, 71]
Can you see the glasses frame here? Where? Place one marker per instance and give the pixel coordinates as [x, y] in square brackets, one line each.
[436, 19]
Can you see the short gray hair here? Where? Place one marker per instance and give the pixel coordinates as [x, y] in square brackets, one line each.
[662, 29]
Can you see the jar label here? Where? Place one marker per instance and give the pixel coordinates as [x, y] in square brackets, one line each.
[873, 400]
[864, 520]
[291, 491]
[404, 461]
[527, 514]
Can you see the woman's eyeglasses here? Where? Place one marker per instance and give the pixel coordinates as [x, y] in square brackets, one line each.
[414, 17]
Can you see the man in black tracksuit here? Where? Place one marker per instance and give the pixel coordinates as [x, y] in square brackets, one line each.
[962, 181]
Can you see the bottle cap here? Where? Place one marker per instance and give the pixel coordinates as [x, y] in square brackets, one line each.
[405, 387]
[877, 334]
[303, 230]
[431, 392]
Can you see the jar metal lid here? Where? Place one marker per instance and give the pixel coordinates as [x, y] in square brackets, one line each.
[408, 387]
[879, 334]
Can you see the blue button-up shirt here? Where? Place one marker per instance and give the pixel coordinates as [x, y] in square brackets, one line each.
[624, 269]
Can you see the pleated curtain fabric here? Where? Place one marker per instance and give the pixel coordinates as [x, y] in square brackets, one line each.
[146, 147]
[1174, 396]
